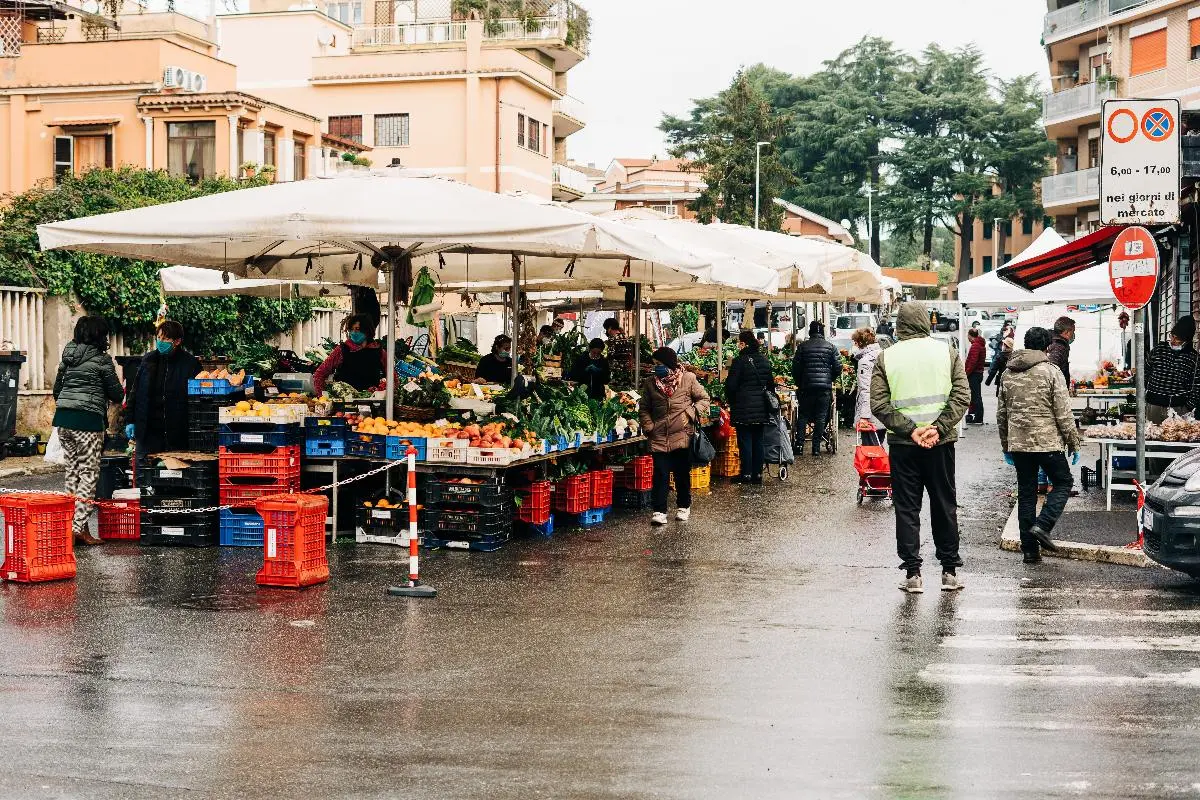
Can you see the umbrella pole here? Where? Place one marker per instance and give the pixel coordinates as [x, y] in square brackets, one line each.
[637, 333]
[516, 317]
[720, 338]
[390, 400]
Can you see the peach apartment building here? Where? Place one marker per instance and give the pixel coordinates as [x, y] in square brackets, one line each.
[666, 186]
[484, 101]
[141, 88]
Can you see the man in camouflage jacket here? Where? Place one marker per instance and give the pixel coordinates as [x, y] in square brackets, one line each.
[1036, 430]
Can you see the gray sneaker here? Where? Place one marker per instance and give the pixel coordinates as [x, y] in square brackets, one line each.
[913, 585]
[951, 583]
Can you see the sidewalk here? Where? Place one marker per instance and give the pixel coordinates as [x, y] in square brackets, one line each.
[31, 465]
[1086, 532]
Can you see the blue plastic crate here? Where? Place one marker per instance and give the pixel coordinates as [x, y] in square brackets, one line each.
[325, 426]
[241, 529]
[546, 529]
[217, 386]
[366, 445]
[590, 519]
[272, 434]
[396, 448]
[325, 449]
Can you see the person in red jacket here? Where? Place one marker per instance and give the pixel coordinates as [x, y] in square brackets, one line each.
[975, 366]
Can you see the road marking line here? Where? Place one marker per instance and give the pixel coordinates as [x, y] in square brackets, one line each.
[1190, 644]
[1079, 614]
[1080, 675]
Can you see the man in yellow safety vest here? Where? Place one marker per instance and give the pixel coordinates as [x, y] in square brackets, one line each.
[919, 391]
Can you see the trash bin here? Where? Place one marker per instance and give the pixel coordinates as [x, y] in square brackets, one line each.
[10, 370]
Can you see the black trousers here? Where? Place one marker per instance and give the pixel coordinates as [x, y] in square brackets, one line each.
[975, 412]
[812, 406]
[677, 463]
[1059, 472]
[916, 471]
[750, 449]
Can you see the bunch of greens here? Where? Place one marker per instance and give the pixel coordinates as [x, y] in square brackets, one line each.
[565, 468]
[424, 392]
[462, 351]
[339, 390]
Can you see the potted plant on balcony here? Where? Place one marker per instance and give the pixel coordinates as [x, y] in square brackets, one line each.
[249, 169]
[1107, 82]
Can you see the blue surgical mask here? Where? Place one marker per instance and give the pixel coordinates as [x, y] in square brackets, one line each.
[502, 355]
[357, 337]
[164, 346]
[661, 371]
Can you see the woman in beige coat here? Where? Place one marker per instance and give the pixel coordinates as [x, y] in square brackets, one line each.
[673, 403]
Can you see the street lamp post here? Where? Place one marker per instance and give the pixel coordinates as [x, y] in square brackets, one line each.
[758, 146]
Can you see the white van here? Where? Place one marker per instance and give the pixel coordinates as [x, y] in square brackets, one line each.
[846, 324]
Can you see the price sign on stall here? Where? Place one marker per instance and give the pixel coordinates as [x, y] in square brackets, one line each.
[1133, 267]
[1139, 163]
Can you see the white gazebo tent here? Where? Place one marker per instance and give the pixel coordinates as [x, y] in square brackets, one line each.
[183, 281]
[1091, 286]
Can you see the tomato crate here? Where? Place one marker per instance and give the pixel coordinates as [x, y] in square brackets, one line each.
[218, 386]
[602, 488]
[324, 449]
[572, 495]
[39, 545]
[478, 521]
[243, 492]
[260, 434]
[632, 499]
[467, 494]
[456, 541]
[293, 540]
[278, 462]
[240, 528]
[535, 503]
[637, 475]
[119, 519]
[197, 480]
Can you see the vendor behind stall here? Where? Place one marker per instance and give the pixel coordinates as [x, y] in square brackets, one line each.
[1172, 373]
[496, 366]
[156, 413]
[359, 361]
[593, 371]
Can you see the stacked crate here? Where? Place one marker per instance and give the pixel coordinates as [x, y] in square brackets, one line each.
[325, 437]
[257, 459]
[170, 503]
[634, 481]
[469, 516]
[293, 541]
[205, 400]
[728, 463]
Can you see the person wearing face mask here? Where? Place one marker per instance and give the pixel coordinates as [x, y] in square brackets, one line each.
[545, 337]
[1059, 351]
[496, 366]
[673, 404]
[749, 381]
[359, 361]
[593, 371]
[1172, 373]
[156, 413]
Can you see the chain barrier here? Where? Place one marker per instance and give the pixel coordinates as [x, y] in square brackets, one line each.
[368, 474]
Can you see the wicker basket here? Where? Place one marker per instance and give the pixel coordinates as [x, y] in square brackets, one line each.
[459, 370]
[416, 413]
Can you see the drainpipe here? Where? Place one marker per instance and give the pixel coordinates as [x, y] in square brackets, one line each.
[497, 79]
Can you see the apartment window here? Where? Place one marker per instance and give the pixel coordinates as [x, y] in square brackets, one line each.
[349, 13]
[1008, 227]
[1027, 226]
[520, 130]
[64, 157]
[1007, 257]
[269, 148]
[987, 263]
[531, 133]
[1194, 37]
[1149, 50]
[1093, 153]
[391, 130]
[299, 160]
[349, 127]
[192, 149]
[988, 228]
[667, 209]
[241, 146]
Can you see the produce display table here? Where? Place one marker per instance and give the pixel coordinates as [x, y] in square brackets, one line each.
[1111, 449]
[1103, 398]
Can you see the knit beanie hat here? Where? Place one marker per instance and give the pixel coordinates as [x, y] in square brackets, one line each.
[1185, 329]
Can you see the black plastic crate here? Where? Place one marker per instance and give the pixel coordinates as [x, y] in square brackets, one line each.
[448, 540]
[364, 408]
[476, 521]
[266, 434]
[632, 499]
[198, 480]
[193, 533]
[489, 495]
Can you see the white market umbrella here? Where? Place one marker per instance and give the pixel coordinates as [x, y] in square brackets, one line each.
[1091, 286]
[182, 281]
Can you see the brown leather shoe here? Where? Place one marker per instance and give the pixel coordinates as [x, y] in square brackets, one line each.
[87, 539]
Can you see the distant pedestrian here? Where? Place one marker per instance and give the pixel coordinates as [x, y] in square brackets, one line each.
[816, 366]
[975, 367]
[919, 391]
[1059, 351]
[746, 387]
[999, 364]
[868, 353]
[673, 403]
[1173, 373]
[1036, 426]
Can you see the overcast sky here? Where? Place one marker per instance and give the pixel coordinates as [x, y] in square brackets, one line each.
[651, 56]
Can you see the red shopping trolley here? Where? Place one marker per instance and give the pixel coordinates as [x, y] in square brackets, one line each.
[873, 465]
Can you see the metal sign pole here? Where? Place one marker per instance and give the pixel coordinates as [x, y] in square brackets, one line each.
[1139, 382]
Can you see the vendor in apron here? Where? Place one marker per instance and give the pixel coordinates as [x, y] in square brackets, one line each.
[359, 361]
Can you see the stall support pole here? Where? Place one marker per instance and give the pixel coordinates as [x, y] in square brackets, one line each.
[962, 346]
[1139, 383]
[390, 400]
[637, 334]
[516, 317]
[720, 339]
[414, 587]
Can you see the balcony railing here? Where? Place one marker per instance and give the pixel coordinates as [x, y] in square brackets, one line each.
[571, 179]
[1084, 16]
[1071, 187]
[410, 34]
[571, 107]
[1077, 102]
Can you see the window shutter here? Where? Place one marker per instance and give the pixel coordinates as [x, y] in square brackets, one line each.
[1149, 52]
[1195, 31]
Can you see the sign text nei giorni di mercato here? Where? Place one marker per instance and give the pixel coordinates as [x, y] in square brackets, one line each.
[1139, 162]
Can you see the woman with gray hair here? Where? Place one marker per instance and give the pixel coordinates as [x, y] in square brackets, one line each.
[868, 352]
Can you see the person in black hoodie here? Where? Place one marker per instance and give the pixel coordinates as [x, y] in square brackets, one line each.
[156, 414]
[592, 371]
[746, 387]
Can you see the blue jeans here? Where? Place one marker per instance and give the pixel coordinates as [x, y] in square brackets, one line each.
[751, 450]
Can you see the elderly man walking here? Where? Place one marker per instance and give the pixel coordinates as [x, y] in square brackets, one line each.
[1036, 429]
[919, 391]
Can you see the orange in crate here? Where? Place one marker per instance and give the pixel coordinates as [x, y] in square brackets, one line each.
[293, 540]
[37, 537]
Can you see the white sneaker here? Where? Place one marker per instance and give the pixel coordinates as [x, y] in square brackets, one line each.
[683, 514]
[913, 585]
[658, 518]
[951, 583]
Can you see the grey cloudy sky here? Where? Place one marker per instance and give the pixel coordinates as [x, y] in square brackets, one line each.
[651, 56]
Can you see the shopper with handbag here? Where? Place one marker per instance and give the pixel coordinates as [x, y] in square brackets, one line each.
[672, 407]
[750, 389]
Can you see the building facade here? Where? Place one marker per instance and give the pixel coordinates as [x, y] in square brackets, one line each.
[666, 187]
[996, 242]
[799, 221]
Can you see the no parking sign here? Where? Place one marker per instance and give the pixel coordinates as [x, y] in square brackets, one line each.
[1140, 162]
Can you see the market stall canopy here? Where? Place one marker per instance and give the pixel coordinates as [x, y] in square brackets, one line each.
[184, 281]
[1086, 287]
[1062, 262]
[329, 229]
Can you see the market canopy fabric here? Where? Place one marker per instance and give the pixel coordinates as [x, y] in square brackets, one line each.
[184, 281]
[1086, 287]
[1061, 262]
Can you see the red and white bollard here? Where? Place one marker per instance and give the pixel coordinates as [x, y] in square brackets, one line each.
[1141, 532]
[414, 587]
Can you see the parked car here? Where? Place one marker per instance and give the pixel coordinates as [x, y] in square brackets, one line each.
[846, 324]
[943, 323]
[1171, 517]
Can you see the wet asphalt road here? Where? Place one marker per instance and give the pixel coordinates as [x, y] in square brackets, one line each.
[760, 651]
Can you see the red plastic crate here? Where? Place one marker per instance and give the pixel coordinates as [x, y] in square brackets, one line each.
[120, 519]
[38, 545]
[638, 475]
[244, 493]
[573, 495]
[282, 462]
[293, 540]
[535, 503]
[602, 488]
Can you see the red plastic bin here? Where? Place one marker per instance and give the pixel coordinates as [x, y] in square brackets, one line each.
[38, 545]
[602, 488]
[535, 503]
[244, 493]
[120, 519]
[282, 462]
[293, 540]
[573, 495]
[638, 475]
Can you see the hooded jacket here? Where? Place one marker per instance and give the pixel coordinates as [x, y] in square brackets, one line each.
[87, 380]
[866, 369]
[1035, 408]
[911, 323]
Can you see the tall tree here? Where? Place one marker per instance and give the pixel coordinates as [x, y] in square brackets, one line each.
[719, 140]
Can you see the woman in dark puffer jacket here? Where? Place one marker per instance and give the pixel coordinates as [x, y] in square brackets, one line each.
[749, 379]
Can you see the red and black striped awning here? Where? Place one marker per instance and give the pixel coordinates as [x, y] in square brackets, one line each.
[1063, 262]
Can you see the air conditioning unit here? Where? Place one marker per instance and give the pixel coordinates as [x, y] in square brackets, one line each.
[175, 77]
[199, 82]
